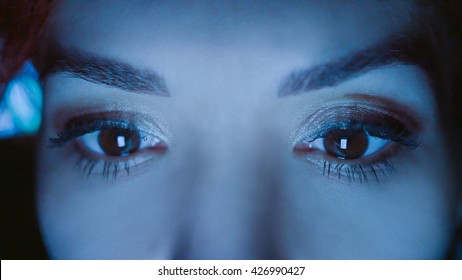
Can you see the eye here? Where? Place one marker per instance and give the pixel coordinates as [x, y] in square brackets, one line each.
[347, 144]
[350, 152]
[117, 142]
[106, 146]
[355, 142]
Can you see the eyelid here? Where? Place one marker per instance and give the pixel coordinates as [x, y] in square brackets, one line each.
[118, 119]
[345, 116]
[116, 110]
[108, 166]
[398, 131]
[90, 142]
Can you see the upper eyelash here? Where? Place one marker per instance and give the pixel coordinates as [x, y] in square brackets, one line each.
[382, 130]
[358, 170]
[76, 128]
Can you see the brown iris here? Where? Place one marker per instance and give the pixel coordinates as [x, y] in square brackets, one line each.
[119, 142]
[346, 144]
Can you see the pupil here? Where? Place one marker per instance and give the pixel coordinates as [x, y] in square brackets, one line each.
[346, 144]
[119, 142]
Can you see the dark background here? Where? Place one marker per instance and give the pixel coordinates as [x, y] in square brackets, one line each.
[19, 236]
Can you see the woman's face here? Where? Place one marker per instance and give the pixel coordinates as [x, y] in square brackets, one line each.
[240, 130]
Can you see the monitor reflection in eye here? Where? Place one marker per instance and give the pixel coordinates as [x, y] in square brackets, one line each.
[355, 141]
[109, 144]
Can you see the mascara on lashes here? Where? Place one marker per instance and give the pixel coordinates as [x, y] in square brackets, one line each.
[374, 122]
[363, 120]
[82, 125]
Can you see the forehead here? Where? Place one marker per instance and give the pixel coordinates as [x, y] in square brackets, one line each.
[317, 27]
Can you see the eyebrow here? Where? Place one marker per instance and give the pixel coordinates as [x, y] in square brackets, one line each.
[397, 51]
[106, 71]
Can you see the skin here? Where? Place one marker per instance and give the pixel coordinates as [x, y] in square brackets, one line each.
[229, 185]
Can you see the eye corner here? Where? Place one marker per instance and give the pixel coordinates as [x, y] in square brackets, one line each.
[358, 150]
[302, 148]
[108, 146]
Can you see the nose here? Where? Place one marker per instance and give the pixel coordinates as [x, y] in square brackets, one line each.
[234, 210]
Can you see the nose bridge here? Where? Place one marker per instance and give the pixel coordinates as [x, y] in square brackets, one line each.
[233, 198]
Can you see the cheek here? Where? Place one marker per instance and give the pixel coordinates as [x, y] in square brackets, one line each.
[408, 216]
[84, 217]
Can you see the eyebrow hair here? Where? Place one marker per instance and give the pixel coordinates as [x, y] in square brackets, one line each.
[403, 50]
[107, 71]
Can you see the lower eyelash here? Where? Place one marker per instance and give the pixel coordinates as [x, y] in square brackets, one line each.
[110, 169]
[357, 171]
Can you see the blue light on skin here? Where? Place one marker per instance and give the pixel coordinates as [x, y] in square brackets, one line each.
[229, 186]
[23, 100]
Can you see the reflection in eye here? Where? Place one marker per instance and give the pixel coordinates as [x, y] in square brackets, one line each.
[113, 145]
[348, 144]
[354, 145]
[117, 142]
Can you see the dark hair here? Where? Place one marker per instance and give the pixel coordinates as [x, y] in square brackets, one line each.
[21, 25]
[442, 22]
